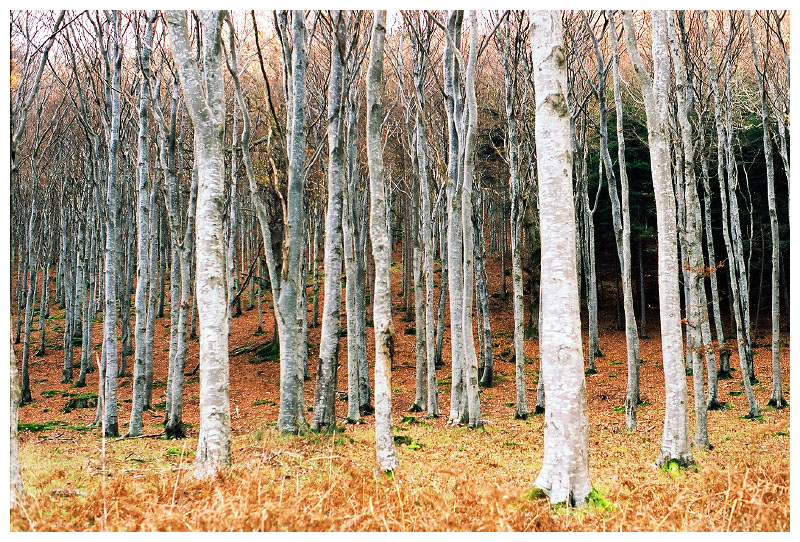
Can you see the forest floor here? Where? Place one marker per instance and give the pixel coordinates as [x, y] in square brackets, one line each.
[448, 478]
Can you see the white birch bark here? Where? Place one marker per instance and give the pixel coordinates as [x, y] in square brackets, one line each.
[207, 110]
[675, 439]
[382, 301]
[699, 336]
[565, 468]
[468, 288]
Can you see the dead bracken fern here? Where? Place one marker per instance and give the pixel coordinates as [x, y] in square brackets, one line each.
[452, 479]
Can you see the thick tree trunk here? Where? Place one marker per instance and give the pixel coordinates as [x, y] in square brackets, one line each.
[290, 318]
[382, 301]
[458, 399]
[324, 417]
[208, 116]
[675, 439]
[565, 469]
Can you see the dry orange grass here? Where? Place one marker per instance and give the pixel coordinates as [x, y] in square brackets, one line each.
[457, 480]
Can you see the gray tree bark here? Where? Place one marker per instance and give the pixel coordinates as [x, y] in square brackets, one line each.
[207, 110]
[382, 301]
[675, 439]
[143, 271]
[113, 97]
[470, 358]
[699, 333]
[324, 417]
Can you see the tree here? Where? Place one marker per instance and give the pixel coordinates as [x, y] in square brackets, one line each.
[324, 394]
[776, 398]
[113, 68]
[512, 47]
[620, 210]
[565, 469]
[675, 439]
[731, 233]
[698, 330]
[203, 93]
[143, 189]
[382, 302]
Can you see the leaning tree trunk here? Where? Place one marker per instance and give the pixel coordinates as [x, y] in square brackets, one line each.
[736, 259]
[208, 116]
[712, 398]
[565, 469]
[675, 439]
[728, 222]
[381, 250]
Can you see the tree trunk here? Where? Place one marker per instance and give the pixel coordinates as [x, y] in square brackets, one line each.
[675, 439]
[470, 358]
[143, 270]
[112, 241]
[382, 302]
[699, 334]
[564, 476]
[631, 333]
[458, 400]
[776, 398]
[208, 117]
[325, 392]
